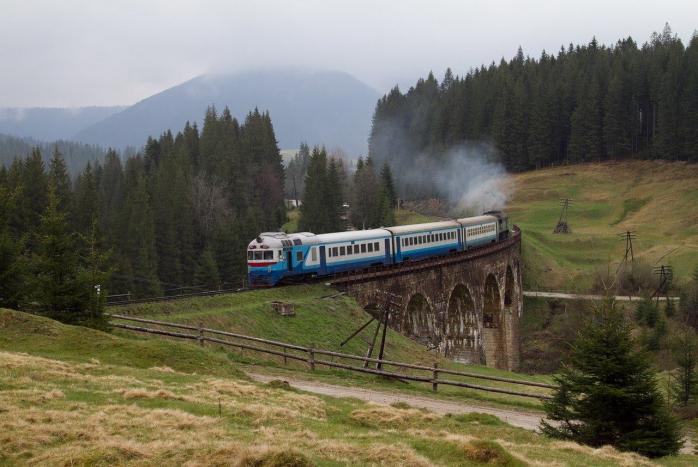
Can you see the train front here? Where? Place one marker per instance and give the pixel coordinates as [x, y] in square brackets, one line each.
[265, 260]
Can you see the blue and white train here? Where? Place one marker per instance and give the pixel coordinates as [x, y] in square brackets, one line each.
[275, 256]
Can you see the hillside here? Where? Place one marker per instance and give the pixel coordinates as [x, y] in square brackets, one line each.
[324, 107]
[656, 200]
[59, 409]
[322, 320]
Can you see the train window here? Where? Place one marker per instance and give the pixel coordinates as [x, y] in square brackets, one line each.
[335, 251]
[313, 254]
[363, 248]
[258, 255]
[356, 249]
[433, 237]
[370, 247]
[250, 255]
[377, 246]
[342, 251]
[299, 256]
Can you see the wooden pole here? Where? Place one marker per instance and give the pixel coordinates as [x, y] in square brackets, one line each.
[311, 357]
[435, 377]
[385, 330]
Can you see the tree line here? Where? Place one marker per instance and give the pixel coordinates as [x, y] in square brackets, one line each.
[180, 213]
[334, 200]
[586, 103]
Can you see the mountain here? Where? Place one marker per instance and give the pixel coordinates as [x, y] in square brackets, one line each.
[49, 124]
[321, 107]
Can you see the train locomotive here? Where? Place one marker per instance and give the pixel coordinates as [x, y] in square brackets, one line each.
[276, 256]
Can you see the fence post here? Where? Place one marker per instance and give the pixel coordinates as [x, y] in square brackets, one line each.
[435, 376]
[311, 357]
[201, 335]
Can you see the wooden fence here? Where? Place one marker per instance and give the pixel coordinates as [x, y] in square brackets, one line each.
[314, 357]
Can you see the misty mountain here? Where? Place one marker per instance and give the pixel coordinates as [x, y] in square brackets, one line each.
[324, 107]
[50, 124]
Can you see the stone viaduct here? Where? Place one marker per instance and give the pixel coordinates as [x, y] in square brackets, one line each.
[467, 306]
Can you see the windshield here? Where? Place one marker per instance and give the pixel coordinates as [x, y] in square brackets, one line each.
[258, 255]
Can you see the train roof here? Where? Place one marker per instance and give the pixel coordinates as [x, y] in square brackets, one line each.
[476, 220]
[352, 235]
[406, 229]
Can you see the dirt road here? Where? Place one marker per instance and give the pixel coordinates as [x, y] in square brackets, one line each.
[527, 420]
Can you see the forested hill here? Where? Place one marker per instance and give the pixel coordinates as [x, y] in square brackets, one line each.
[326, 107]
[76, 155]
[586, 103]
[180, 213]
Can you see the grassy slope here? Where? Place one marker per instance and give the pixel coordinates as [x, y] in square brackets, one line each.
[657, 200]
[324, 323]
[91, 406]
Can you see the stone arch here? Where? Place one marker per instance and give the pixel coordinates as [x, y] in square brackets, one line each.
[509, 288]
[461, 334]
[418, 321]
[493, 325]
[492, 311]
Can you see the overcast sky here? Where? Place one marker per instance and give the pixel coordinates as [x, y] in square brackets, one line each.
[94, 52]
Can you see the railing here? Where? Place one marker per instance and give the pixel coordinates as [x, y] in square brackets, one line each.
[309, 356]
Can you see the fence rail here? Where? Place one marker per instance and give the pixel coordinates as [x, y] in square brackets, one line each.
[308, 355]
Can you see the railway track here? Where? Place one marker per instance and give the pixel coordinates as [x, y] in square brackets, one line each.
[353, 276]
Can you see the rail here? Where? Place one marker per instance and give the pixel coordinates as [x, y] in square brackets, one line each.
[309, 356]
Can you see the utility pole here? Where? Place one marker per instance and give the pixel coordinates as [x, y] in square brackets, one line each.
[562, 225]
[628, 236]
[666, 276]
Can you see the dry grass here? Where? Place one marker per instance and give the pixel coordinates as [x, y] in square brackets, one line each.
[388, 416]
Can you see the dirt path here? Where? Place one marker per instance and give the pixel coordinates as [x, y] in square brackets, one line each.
[527, 420]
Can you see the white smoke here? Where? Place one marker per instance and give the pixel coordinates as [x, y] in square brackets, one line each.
[469, 176]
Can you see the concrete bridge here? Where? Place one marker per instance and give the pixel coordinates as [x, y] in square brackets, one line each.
[467, 305]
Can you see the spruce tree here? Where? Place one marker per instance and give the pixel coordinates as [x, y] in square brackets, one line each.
[388, 184]
[58, 175]
[314, 215]
[55, 283]
[684, 348]
[207, 272]
[12, 264]
[607, 392]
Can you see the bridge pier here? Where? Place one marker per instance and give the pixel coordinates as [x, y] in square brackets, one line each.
[467, 307]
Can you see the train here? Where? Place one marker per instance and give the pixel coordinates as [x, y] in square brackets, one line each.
[274, 257]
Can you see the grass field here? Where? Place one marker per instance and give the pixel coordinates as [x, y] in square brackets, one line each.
[324, 323]
[657, 200]
[73, 400]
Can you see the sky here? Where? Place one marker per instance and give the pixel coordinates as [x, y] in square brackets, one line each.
[72, 53]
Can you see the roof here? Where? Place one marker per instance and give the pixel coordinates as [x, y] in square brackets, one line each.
[476, 220]
[352, 235]
[406, 229]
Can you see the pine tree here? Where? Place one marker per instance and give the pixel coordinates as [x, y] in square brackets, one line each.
[607, 392]
[58, 175]
[684, 347]
[54, 266]
[207, 272]
[388, 185]
[334, 198]
[12, 265]
[314, 215]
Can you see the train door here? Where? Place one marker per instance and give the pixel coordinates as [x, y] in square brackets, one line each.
[289, 259]
[398, 247]
[387, 251]
[323, 261]
[461, 241]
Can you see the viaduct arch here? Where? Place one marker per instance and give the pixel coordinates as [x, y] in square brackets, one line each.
[466, 306]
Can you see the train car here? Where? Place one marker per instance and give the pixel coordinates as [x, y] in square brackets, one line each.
[478, 231]
[274, 256]
[419, 241]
